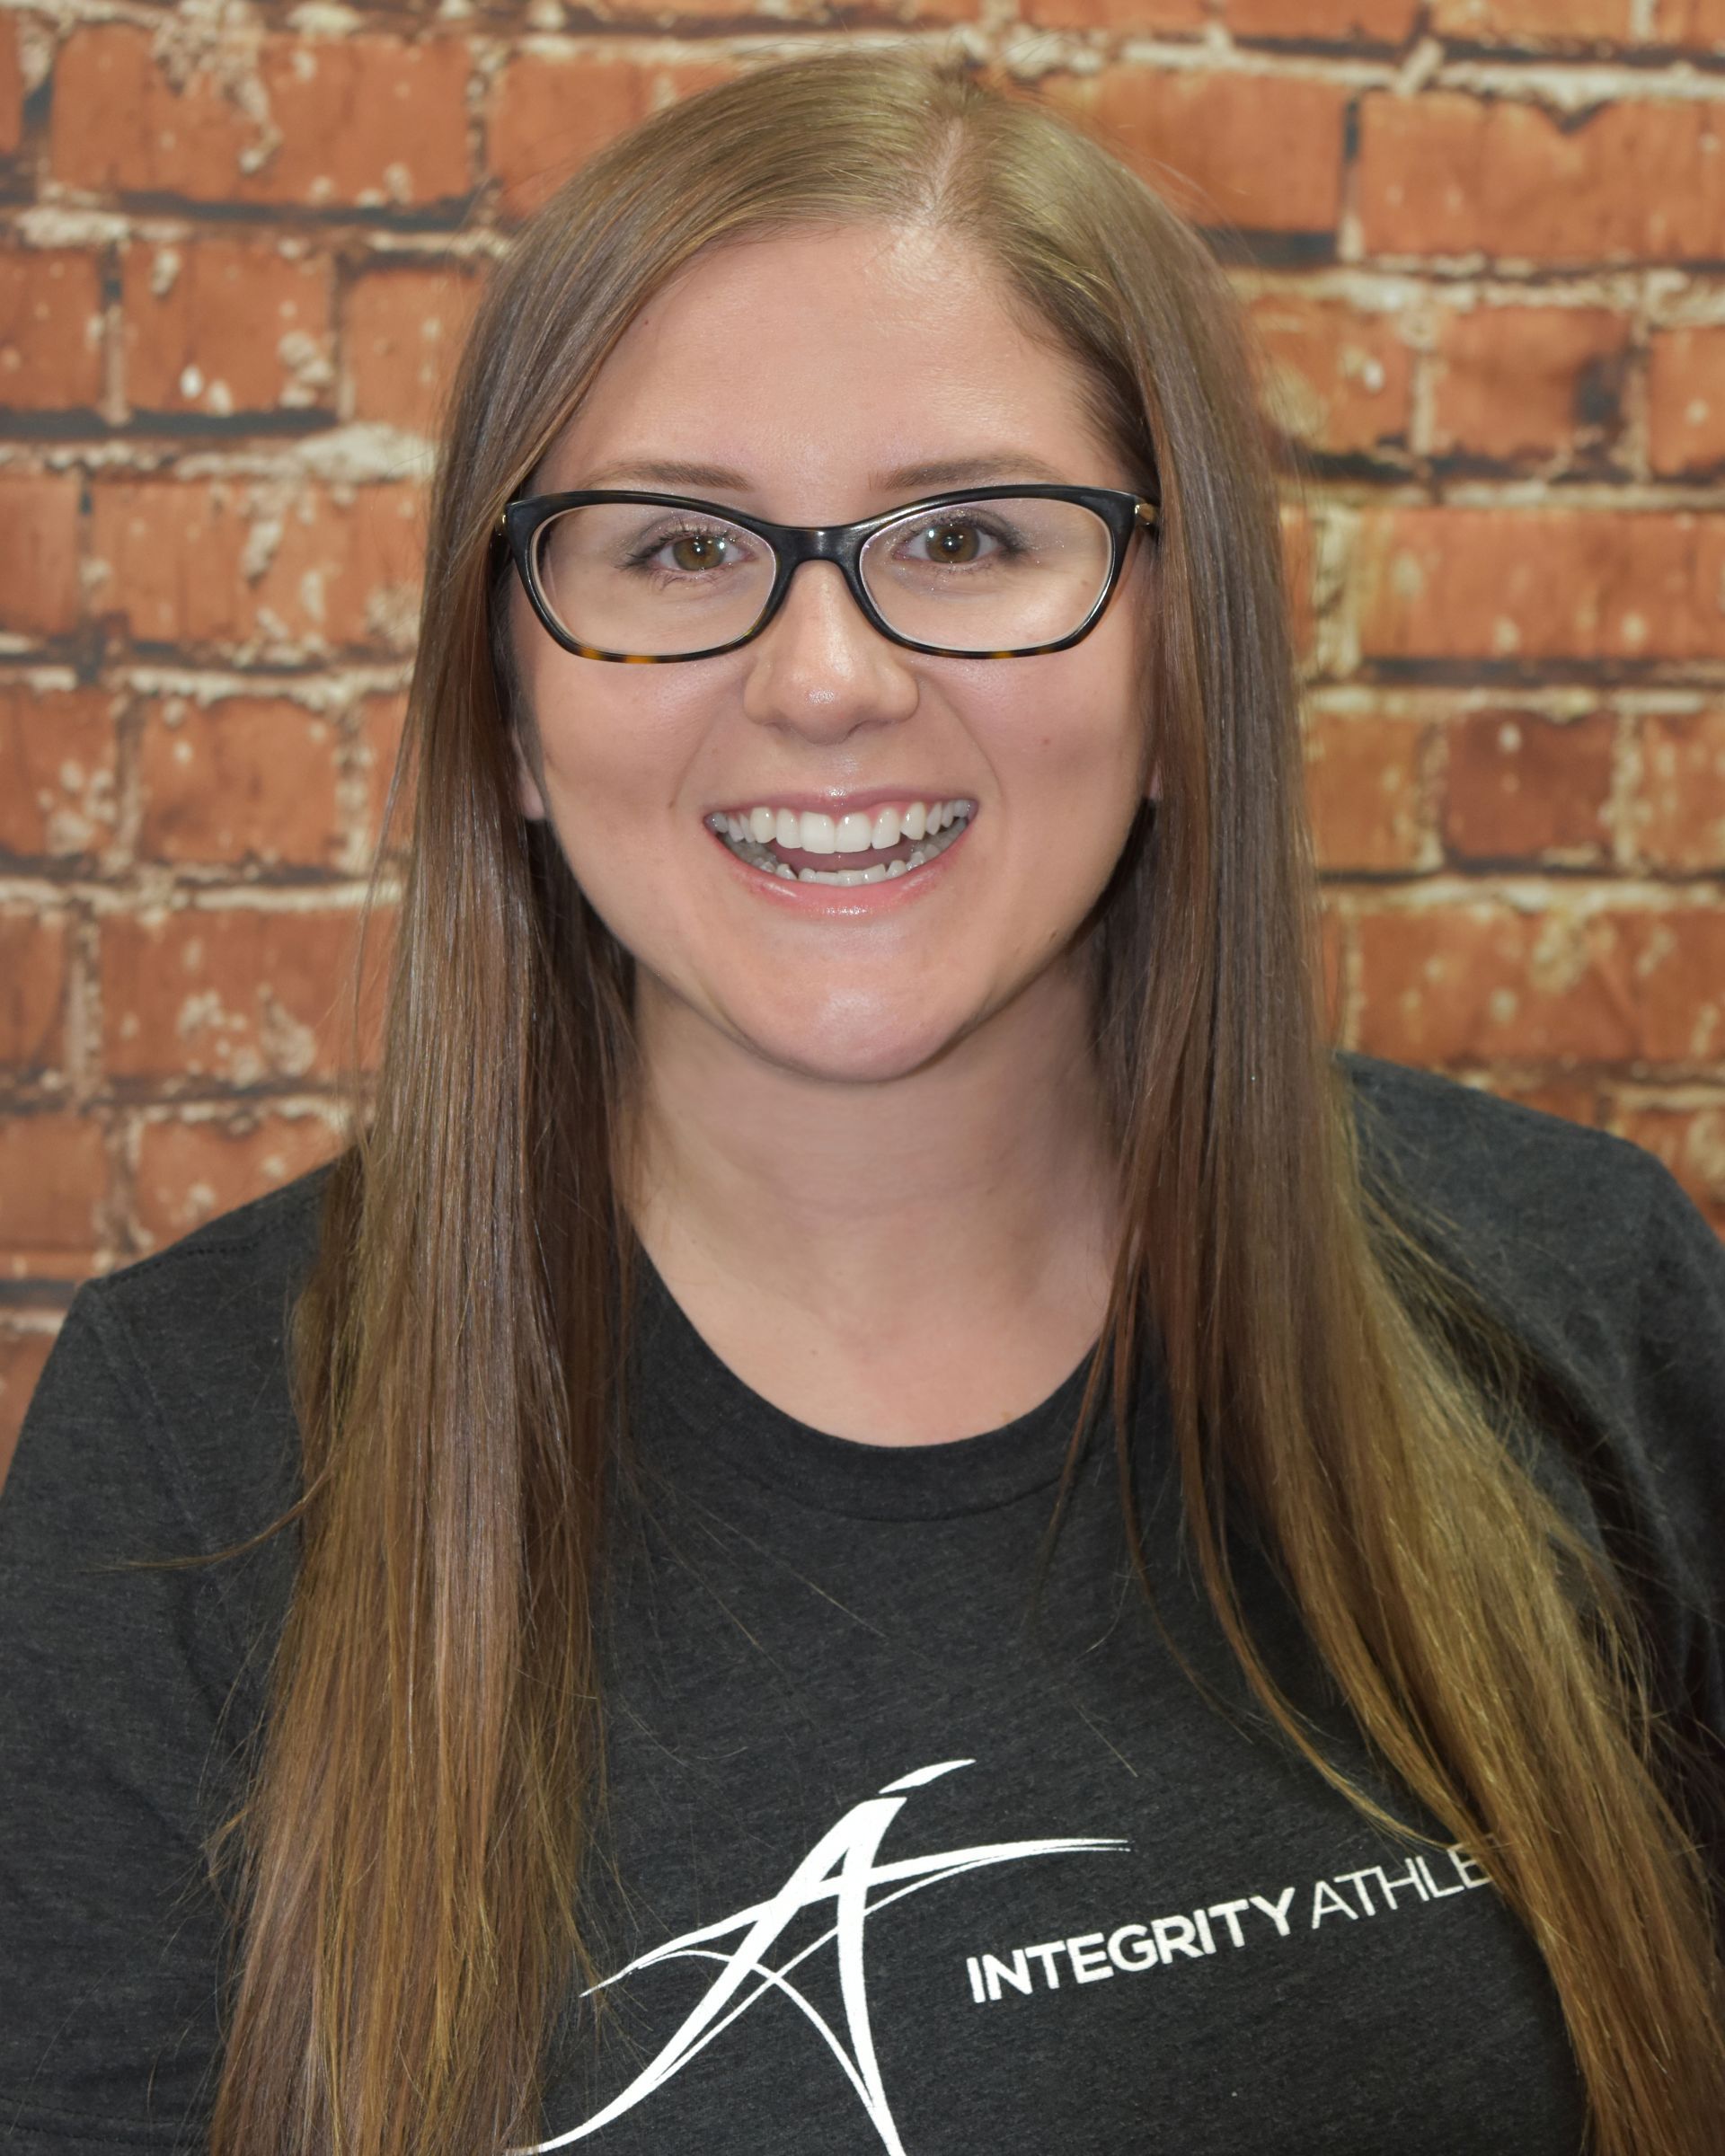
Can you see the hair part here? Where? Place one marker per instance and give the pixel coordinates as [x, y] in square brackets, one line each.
[410, 1856]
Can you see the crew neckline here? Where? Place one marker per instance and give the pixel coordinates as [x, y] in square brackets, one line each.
[677, 1374]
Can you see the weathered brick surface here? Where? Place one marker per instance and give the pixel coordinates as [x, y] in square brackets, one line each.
[548, 111]
[1338, 379]
[38, 553]
[227, 997]
[287, 570]
[1366, 782]
[1343, 21]
[1524, 788]
[1449, 174]
[34, 969]
[1479, 242]
[1540, 23]
[53, 1190]
[191, 1167]
[244, 780]
[1680, 819]
[361, 122]
[402, 331]
[1257, 151]
[1541, 584]
[51, 329]
[12, 88]
[1524, 382]
[220, 326]
[1686, 398]
[58, 752]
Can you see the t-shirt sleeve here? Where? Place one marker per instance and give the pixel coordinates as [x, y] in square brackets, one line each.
[119, 1713]
[1677, 1456]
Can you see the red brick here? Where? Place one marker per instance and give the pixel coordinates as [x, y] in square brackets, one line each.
[1515, 382]
[1522, 787]
[1680, 819]
[248, 778]
[57, 771]
[12, 88]
[1690, 1141]
[1532, 22]
[304, 568]
[230, 994]
[33, 964]
[1363, 777]
[1443, 173]
[38, 553]
[1533, 584]
[548, 112]
[218, 326]
[53, 1185]
[1478, 983]
[1691, 22]
[1685, 398]
[189, 1171]
[1135, 17]
[1345, 22]
[51, 329]
[362, 121]
[402, 332]
[1255, 152]
[381, 719]
[1340, 380]
[22, 1354]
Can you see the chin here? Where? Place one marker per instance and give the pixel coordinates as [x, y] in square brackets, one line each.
[854, 1047]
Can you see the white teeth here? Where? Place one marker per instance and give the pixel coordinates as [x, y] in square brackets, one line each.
[750, 836]
[817, 833]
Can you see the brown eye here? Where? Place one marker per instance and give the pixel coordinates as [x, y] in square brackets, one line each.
[698, 550]
[951, 542]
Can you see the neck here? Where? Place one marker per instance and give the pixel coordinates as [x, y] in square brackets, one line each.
[969, 1197]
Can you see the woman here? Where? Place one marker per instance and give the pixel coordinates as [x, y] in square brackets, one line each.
[919, 1523]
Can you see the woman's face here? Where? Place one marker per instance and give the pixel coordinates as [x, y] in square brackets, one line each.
[815, 379]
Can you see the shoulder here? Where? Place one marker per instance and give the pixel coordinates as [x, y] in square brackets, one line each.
[1445, 1136]
[1555, 1218]
[217, 1281]
[1597, 1258]
[175, 1369]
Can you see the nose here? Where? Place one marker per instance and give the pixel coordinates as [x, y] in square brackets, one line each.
[819, 669]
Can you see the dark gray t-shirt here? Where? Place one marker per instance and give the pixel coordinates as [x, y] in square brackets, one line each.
[902, 1861]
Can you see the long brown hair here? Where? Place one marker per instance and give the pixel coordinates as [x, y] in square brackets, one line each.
[409, 1856]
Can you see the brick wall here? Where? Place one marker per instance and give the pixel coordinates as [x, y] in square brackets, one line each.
[1482, 241]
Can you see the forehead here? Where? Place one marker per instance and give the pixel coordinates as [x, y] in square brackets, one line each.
[813, 362]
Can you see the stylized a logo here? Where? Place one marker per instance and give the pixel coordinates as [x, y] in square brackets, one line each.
[840, 1869]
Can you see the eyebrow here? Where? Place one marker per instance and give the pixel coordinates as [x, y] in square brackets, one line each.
[941, 472]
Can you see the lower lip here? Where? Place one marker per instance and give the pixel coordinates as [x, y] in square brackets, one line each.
[845, 901]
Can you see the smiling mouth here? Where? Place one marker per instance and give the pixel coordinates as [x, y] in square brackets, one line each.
[808, 847]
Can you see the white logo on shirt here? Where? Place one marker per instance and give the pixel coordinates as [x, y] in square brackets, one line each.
[840, 1869]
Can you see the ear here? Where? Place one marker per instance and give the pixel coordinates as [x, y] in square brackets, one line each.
[529, 798]
[1153, 790]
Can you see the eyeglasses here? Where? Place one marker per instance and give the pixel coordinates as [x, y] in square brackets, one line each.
[986, 572]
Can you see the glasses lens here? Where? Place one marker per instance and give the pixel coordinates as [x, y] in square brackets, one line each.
[990, 575]
[647, 581]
